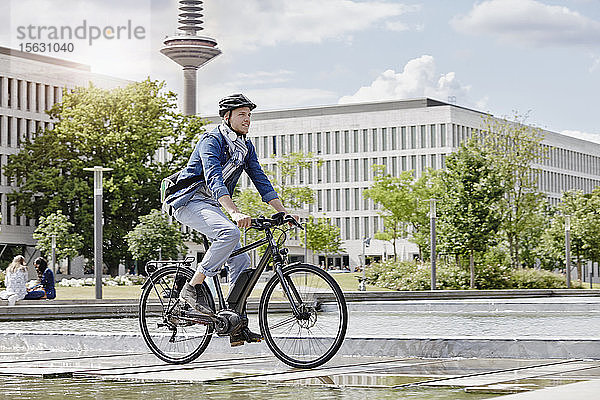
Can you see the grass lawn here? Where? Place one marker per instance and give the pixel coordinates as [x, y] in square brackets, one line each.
[347, 282]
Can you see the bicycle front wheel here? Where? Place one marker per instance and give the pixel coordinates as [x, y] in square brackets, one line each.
[170, 336]
[313, 337]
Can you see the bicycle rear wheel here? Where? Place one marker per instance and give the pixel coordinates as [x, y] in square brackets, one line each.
[170, 337]
[315, 337]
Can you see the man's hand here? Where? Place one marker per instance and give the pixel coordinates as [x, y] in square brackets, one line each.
[242, 220]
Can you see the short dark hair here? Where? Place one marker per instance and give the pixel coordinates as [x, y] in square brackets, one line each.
[41, 263]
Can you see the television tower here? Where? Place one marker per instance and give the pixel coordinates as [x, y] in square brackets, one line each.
[190, 50]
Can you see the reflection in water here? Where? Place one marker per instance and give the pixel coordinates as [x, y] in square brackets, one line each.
[66, 389]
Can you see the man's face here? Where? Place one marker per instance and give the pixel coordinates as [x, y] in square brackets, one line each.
[239, 120]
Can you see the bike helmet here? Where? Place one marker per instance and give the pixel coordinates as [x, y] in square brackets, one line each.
[234, 101]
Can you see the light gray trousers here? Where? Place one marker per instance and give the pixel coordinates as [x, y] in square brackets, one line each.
[209, 220]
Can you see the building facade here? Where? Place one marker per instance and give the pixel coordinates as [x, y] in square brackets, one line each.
[401, 135]
[30, 84]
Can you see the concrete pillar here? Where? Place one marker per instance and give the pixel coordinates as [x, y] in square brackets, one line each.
[23, 99]
[13, 93]
[40, 97]
[33, 100]
[189, 90]
[4, 94]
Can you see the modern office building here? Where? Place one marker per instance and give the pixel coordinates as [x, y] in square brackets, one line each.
[402, 135]
[30, 84]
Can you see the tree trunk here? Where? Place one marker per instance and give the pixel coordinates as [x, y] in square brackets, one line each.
[579, 271]
[457, 257]
[472, 268]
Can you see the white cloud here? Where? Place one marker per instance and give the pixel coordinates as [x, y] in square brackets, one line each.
[529, 22]
[261, 23]
[592, 137]
[418, 79]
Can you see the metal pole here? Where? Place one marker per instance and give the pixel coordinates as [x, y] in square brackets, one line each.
[432, 215]
[54, 254]
[362, 285]
[98, 226]
[568, 249]
[306, 242]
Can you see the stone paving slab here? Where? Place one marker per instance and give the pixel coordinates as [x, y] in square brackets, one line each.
[588, 390]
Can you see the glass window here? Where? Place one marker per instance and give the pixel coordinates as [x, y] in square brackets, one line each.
[338, 200]
[282, 144]
[319, 150]
[347, 228]
[327, 142]
[432, 134]
[413, 137]
[404, 166]
[328, 199]
[365, 140]
[266, 150]
[355, 140]
[394, 139]
[346, 171]
[433, 161]
[356, 227]
[374, 135]
[443, 135]
[423, 163]
[309, 174]
[319, 200]
[337, 142]
[365, 201]
[328, 171]
[394, 166]
[337, 174]
[346, 142]
[403, 132]
[366, 227]
[347, 199]
[356, 199]
[365, 169]
[356, 177]
[292, 144]
[300, 143]
[384, 139]
[309, 142]
[275, 145]
[423, 136]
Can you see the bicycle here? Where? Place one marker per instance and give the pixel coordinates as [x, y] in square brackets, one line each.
[302, 311]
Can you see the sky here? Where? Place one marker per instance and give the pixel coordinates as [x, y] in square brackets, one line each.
[534, 57]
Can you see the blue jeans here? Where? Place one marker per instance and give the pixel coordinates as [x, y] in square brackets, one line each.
[209, 220]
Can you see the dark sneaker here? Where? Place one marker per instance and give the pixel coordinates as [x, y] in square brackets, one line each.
[244, 335]
[194, 296]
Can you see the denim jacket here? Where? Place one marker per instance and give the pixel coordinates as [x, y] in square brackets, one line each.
[208, 159]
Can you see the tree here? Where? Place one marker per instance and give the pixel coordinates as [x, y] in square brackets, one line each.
[123, 129]
[591, 224]
[397, 203]
[470, 215]
[514, 146]
[323, 237]
[58, 225]
[287, 167]
[154, 236]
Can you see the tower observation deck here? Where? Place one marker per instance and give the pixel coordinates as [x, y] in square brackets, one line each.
[189, 49]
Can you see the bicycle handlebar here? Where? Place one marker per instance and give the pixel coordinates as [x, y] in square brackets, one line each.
[262, 223]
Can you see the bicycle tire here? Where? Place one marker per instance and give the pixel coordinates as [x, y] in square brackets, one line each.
[171, 339]
[311, 342]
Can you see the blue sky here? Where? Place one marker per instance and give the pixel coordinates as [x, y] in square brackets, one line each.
[536, 56]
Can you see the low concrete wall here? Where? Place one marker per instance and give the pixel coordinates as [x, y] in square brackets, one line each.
[432, 347]
[111, 308]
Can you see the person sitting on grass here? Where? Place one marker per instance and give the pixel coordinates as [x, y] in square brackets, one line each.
[45, 289]
[16, 281]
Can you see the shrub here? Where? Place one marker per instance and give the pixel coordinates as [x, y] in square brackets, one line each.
[2, 276]
[406, 275]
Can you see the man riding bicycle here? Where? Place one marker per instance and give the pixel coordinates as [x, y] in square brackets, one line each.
[218, 160]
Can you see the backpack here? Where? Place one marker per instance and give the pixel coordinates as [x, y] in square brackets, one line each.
[169, 186]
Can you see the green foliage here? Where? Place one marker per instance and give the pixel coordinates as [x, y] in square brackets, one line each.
[286, 169]
[155, 232]
[58, 225]
[323, 237]
[2, 277]
[123, 129]
[403, 202]
[408, 275]
[514, 147]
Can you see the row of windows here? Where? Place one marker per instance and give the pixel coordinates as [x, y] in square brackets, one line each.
[9, 216]
[352, 228]
[360, 169]
[13, 131]
[555, 182]
[570, 160]
[354, 141]
[28, 96]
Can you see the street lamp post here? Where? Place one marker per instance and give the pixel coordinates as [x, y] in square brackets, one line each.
[363, 285]
[97, 170]
[432, 216]
[568, 249]
[54, 253]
